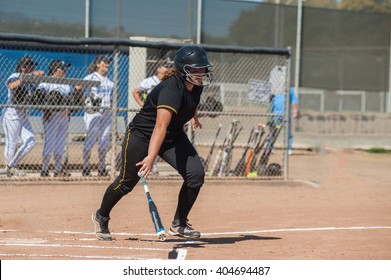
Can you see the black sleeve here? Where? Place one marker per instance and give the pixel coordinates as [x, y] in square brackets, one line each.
[170, 98]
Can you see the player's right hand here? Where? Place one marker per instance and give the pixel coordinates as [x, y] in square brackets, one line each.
[146, 166]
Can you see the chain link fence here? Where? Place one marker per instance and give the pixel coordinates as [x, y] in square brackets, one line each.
[241, 136]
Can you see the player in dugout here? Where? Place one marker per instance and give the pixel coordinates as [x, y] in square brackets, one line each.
[55, 118]
[16, 122]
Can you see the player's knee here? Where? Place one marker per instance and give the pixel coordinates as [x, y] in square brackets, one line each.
[195, 178]
[123, 187]
[10, 146]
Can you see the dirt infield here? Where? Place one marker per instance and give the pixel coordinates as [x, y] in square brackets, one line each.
[348, 216]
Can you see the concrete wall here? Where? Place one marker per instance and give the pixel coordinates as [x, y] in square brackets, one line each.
[318, 131]
[343, 123]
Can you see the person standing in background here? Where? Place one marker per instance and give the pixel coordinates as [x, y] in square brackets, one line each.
[294, 114]
[98, 116]
[16, 122]
[56, 120]
[142, 90]
[278, 107]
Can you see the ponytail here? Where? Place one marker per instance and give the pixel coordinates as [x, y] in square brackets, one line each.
[168, 74]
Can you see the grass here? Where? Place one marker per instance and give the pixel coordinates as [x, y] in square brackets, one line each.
[377, 150]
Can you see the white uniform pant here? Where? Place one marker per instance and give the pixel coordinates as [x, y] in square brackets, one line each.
[56, 126]
[98, 126]
[15, 129]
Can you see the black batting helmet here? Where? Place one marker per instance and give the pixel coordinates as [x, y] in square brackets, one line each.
[193, 56]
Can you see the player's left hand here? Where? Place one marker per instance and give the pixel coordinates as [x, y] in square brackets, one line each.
[79, 87]
[195, 123]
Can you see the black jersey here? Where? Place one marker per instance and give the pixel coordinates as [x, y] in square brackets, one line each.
[173, 95]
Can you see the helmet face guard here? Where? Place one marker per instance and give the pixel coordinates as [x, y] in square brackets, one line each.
[196, 77]
[192, 64]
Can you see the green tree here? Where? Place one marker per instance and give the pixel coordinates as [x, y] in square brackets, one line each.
[379, 6]
[332, 4]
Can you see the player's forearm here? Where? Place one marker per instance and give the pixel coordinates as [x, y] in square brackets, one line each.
[195, 122]
[295, 110]
[14, 84]
[136, 95]
[158, 135]
[195, 117]
[163, 119]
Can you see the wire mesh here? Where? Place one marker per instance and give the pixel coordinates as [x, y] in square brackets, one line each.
[71, 127]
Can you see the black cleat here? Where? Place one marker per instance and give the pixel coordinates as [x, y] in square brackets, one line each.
[183, 230]
[101, 225]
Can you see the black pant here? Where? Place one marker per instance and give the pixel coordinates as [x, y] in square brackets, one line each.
[180, 154]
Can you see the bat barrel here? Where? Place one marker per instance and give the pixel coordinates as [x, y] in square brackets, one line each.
[161, 235]
[157, 222]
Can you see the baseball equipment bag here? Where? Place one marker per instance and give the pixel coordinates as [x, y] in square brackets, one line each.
[210, 105]
[92, 104]
[273, 169]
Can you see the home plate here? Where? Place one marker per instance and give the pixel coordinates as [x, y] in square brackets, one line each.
[22, 241]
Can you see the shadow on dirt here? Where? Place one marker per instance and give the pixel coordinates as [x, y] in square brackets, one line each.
[221, 240]
[196, 243]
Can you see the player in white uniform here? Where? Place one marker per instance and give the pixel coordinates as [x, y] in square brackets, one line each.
[142, 90]
[98, 120]
[15, 120]
[56, 120]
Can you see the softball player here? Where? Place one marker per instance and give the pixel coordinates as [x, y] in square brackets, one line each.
[277, 81]
[157, 129]
[142, 90]
[15, 120]
[98, 121]
[55, 121]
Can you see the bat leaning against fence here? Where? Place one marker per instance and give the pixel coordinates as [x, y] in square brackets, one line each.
[157, 222]
[226, 160]
[229, 158]
[271, 139]
[250, 157]
[217, 160]
[258, 147]
[207, 160]
[240, 165]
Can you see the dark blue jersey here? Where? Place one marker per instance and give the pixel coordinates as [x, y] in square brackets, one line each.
[172, 95]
